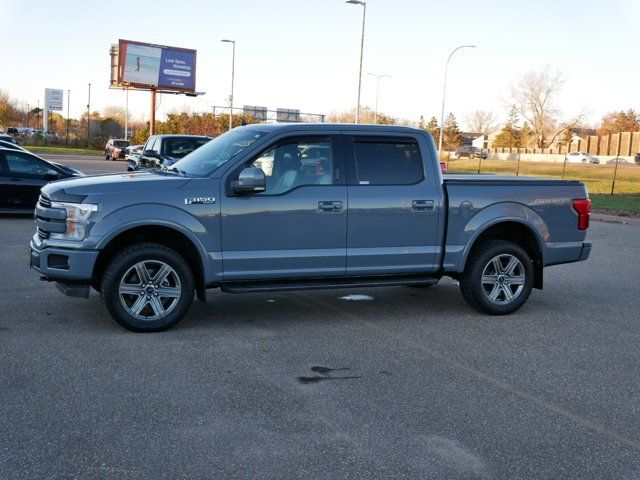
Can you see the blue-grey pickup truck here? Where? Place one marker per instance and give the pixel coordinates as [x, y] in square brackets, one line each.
[288, 207]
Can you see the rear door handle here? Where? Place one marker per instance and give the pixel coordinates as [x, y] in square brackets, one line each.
[15, 179]
[422, 205]
[330, 206]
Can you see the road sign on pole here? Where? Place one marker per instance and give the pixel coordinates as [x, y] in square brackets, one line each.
[53, 100]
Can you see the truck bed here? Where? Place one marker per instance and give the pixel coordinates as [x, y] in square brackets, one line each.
[545, 205]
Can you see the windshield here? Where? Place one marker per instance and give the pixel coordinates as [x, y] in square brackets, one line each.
[212, 155]
[121, 143]
[179, 147]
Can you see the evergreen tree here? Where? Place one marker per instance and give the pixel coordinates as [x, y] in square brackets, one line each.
[433, 128]
[510, 136]
[451, 133]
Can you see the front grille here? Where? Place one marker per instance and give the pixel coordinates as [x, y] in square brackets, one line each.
[42, 235]
[44, 200]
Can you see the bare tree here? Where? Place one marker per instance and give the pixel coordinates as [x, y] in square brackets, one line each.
[481, 121]
[534, 99]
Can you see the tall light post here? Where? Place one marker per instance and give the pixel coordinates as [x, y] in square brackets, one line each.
[364, 14]
[444, 91]
[233, 72]
[68, 116]
[378, 77]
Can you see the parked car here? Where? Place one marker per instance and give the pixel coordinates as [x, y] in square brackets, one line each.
[133, 152]
[618, 160]
[470, 152]
[581, 157]
[637, 158]
[22, 174]
[379, 214]
[165, 150]
[115, 149]
[8, 138]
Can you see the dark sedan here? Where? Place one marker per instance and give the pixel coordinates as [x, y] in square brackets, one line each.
[22, 174]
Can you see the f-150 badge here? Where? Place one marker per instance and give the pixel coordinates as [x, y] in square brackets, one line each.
[199, 200]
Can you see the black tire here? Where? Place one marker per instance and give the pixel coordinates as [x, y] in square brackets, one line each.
[179, 281]
[480, 263]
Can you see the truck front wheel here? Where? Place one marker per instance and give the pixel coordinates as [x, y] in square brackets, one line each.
[147, 287]
[498, 278]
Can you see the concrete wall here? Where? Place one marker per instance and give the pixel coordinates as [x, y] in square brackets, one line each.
[547, 157]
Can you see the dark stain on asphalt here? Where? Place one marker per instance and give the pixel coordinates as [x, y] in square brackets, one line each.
[327, 370]
[324, 375]
[318, 378]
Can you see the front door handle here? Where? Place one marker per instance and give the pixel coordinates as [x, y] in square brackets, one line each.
[330, 206]
[422, 205]
[15, 179]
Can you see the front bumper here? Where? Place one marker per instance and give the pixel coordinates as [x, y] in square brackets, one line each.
[66, 265]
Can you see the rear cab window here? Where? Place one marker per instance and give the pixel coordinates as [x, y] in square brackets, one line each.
[386, 161]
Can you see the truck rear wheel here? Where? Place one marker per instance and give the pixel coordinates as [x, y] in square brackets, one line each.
[498, 278]
[147, 287]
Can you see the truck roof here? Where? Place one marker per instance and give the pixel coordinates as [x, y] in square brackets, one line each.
[274, 127]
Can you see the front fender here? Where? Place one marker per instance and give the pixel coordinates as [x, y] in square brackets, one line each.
[146, 215]
[463, 233]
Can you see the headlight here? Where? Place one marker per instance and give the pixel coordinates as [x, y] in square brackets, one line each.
[77, 218]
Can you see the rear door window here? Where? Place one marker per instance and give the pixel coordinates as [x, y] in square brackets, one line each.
[21, 164]
[388, 161]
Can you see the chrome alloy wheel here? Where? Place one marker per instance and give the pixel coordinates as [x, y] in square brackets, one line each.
[503, 279]
[149, 290]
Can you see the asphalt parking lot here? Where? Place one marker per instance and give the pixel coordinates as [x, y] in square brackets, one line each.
[409, 383]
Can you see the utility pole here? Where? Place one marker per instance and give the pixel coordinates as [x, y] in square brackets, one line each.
[233, 70]
[89, 119]
[364, 13]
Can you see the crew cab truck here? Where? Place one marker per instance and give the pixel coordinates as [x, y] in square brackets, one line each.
[306, 206]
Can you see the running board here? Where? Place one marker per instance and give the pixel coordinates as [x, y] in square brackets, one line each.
[326, 283]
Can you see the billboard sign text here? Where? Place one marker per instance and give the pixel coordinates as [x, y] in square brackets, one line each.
[145, 65]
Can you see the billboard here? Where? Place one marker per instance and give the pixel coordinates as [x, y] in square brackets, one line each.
[287, 115]
[145, 65]
[53, 99]
[259, 114]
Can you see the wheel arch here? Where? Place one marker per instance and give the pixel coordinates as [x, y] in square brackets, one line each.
[168, 236]
[517, 231]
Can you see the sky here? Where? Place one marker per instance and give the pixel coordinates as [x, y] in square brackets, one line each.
[304, 54]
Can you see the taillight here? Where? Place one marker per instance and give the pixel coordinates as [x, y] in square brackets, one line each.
[583, 207]
[443, 167]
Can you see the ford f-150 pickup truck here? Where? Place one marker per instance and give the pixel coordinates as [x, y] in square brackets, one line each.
[287, 207]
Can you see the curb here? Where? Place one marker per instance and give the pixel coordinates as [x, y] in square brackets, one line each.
[615, 219]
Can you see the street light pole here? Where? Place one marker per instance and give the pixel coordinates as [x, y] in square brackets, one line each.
[378, 77]
[444, 91]
[68, 115]
[364, 14]
[89, 119]
[233, 71]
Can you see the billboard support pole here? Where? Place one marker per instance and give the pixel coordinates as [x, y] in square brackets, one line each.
[126, 115]
[152, 118]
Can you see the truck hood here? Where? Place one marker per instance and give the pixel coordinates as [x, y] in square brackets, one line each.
[112, 184]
